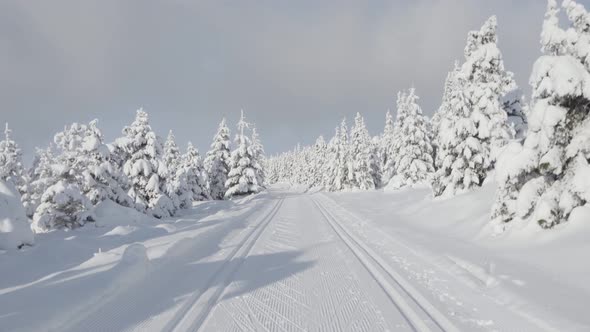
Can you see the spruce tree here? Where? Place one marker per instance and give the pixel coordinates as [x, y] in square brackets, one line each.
[361, 150]
[190, 180]
[413, 159]
[217, 162]
[386, 147]
[473, 127]
[11, 163]
[242, 179]
[145, 168]
[544, 179]
[257, 152]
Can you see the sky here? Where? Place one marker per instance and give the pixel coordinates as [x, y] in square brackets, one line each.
[295, 67]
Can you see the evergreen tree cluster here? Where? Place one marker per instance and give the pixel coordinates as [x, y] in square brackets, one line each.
[540, 154]
[139, 170]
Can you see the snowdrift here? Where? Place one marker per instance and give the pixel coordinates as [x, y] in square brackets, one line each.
[15, 230]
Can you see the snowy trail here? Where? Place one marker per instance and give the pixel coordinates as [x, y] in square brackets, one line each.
[280, 261]
[391, 281]
[196, 309]
[332, 293]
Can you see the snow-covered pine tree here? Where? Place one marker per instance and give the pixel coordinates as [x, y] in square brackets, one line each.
[39, 178]
[413, 159]
[545, 179]
[389, 166]
[11, 163]
[386, 148]
[190, 180]
[101, 177]
[361, 150]
[258, 158]
[145, 168]
[339, 176]
[474, 128]
[486, 83]
[441, 116]
[319, 161]
[217, 162]
[242, 175]
[376, 162]
[63, 204]
[171, 160]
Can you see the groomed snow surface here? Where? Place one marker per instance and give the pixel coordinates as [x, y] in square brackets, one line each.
[288, 260]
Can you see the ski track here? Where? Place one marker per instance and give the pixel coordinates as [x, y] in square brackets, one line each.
[398, 289]
[326, 296]
[115, 308]
[472, 305]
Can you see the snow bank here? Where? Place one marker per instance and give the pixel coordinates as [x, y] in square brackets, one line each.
[109, 213]
[15, 230]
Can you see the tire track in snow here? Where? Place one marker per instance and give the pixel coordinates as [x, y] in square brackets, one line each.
[383, 273]
[194, 312]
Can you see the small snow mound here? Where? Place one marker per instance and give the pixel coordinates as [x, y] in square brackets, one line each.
[121, 230]
[15, 230]
[167, 227]
[135, 254]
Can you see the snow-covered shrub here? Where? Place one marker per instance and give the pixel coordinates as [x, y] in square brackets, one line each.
[15, 230]
[62, 206]
[413, 144]
[546, 178]
[217, 162]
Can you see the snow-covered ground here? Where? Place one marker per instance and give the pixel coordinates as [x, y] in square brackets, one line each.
[289, 260]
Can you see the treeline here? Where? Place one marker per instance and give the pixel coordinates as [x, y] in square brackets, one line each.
[139, 170]
[540, 152]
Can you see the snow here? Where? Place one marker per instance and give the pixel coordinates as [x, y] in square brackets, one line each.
[14, 224]
[293, 259]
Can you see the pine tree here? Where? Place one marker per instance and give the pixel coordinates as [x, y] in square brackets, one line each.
[386, 148]
[63, 204]
[217, 162]
[544, 180]
[486, 82]
[339, 175]
[474, 127]
[319, 161]
[258, 158]
[145, 168]
[242, 178]
[40, 177]
[361, 150]
[442, 115]
[171, 160]
[413, 159]
[190, 180]
[11, 164]
[100, 179]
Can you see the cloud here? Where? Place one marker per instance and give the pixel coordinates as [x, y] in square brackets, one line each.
[295, 67]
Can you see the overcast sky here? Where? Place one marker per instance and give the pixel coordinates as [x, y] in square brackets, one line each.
[295, 67]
